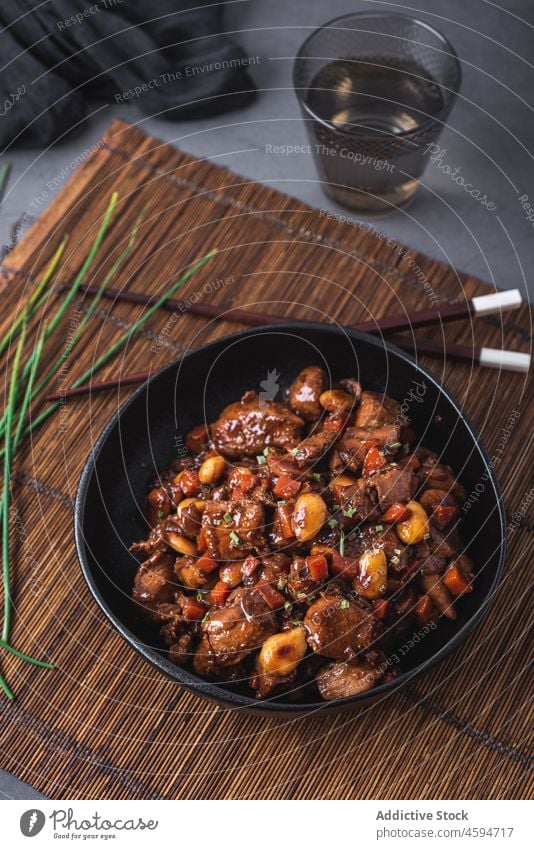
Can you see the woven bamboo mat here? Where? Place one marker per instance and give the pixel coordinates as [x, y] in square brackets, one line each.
[105, 725]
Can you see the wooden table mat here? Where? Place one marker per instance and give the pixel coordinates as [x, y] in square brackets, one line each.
[105, 725]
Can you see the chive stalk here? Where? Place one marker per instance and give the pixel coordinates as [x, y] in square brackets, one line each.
[26, 657]
[12, 399]
[123, 339]
[34, 301]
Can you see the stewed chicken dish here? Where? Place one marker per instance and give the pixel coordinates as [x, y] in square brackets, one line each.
[297, 543]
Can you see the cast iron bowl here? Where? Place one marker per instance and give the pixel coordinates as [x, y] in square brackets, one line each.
[146, 432]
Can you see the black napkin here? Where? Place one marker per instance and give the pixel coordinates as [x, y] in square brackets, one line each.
[60, 57]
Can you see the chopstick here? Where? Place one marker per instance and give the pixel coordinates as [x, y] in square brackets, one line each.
[488, 357]
[123, 380]
[497, 302]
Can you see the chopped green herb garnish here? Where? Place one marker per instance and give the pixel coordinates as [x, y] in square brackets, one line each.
[349, 512]
[200, 597]
[205, 617]
[316, 476]
[379, 527]
[397, 550]
[296, 622]
[302, 595]
[426, 536]
[332, 523]
[395, 445]
[395, 560]
[235, 538]
[266, 452]
[342, 544]
[344, 603]
[227, 517]
[281, 503]
[216, 521]
[281, 584]
[160, 515]
[260, 459]
[287, 606]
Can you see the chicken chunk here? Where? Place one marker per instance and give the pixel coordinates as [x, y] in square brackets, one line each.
[376, 410]
[355, 442]
[358, 501]
[248, 426]
[305, 391]
[339, 628]
[234, 631]
[233, 529]
[392, 485]
[154, 581]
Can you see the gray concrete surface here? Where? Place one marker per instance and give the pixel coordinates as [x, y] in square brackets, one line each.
[489, 137]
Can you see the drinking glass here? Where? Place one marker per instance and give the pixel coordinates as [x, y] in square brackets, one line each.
[375, 90]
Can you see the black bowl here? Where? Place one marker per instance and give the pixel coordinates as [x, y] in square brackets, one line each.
[150, 428]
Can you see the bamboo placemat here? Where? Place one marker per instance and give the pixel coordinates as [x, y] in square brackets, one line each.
[105, 725]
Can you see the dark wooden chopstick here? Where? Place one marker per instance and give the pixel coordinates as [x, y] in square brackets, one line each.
[481, 305]
[123, 380]
[489, 357]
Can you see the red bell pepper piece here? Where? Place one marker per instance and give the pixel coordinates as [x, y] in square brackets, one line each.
[456, 582]
[193, 609]
[207, 564]
[374, 460]
[397, 513]
[317, 567]
[274, 599]
[424, 609]
[286, 487]
[219, 593]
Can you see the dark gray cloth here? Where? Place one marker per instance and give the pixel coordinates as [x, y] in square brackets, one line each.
[170, 57]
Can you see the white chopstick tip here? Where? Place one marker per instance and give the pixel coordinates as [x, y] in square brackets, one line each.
[510, 299]
[505, 360]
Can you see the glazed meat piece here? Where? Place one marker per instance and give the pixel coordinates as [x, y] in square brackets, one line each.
[305, 391]
[340, 628]
[275, 567]
[358, 500]
[355, 442]
[154, 581]
[339, 680]
[233, 529]
[439, 594]
[313, 448]
[232, 632]
[444, 543]
[247, 427]
[376, 410]
[181, 651]
[393, 485]
[436, 475]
